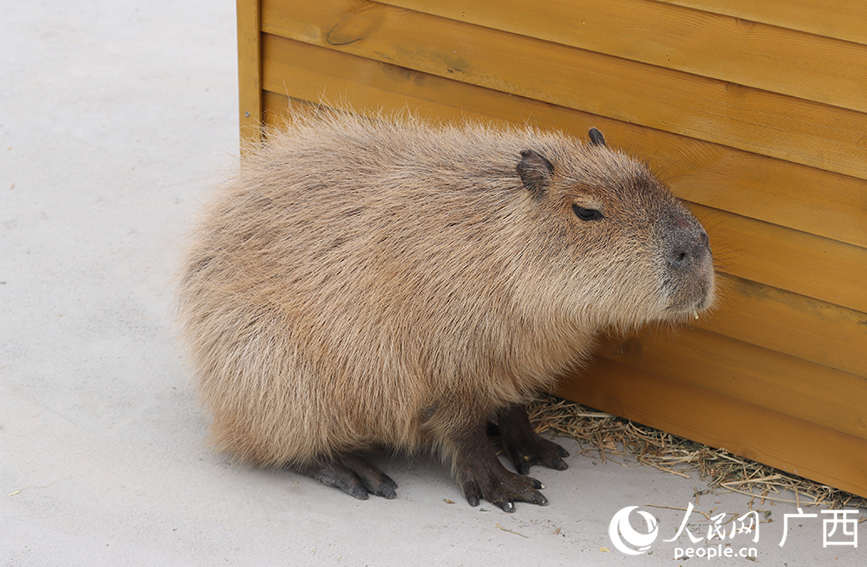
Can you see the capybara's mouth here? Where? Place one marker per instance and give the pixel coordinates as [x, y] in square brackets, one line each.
[692, 304]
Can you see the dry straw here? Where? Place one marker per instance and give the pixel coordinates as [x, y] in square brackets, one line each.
[613, 436]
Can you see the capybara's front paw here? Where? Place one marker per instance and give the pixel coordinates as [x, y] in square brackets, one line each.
[501, 488]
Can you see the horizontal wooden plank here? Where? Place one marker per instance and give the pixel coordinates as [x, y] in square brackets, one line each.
[788, 128]
[787, 259]
[842, 19]
[792, 324]
[756, 55]
[778, 440]
[778, 382]
[779, 192]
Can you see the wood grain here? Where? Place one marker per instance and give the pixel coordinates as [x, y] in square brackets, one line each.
[787, 259]
[785, 442]
[779, 382]
[779, 126]
[842, 19]
[711, 45]
[792, 324]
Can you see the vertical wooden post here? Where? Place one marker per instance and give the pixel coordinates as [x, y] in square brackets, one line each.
[249, 70]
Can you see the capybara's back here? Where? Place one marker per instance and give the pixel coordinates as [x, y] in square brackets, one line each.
[386, 282]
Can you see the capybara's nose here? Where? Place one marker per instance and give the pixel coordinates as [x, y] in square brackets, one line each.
[691, 244]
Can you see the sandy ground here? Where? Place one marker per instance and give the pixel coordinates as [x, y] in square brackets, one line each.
[115, 117]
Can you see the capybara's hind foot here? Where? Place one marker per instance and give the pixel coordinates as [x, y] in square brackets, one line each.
[524, 446]
[353, 475]
[482, 476]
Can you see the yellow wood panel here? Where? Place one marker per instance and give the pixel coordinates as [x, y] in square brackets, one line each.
[249, 68]
[711, 45]
[804, 198]
[758, 121]
[789, 323]
[843, 19]
[787, 259]
[741, 371]
[785, 442]
[772, 190]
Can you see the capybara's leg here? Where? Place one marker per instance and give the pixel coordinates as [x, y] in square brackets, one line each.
[524, 446]
[482, 476]
[353, 475]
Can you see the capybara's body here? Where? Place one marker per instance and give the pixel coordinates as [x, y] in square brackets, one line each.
[363, 282]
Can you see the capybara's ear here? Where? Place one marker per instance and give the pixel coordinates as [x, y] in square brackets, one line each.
[596, 138]
[535, 171]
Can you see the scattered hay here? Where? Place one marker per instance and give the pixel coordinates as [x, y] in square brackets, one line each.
[614, 436]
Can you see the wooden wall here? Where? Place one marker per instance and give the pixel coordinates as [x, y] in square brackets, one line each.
[754, 112]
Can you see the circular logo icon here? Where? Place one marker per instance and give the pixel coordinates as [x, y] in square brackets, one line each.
[625, 538]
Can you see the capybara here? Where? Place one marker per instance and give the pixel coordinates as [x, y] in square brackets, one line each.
[387, 282]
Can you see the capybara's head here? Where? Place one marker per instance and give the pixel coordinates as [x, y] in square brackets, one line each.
[635, 253]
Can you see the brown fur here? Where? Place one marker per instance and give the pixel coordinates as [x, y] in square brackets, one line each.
[387, 282]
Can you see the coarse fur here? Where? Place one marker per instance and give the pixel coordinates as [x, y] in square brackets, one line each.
[384, 281]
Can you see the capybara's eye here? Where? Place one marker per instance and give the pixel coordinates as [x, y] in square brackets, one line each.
[586, 214]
